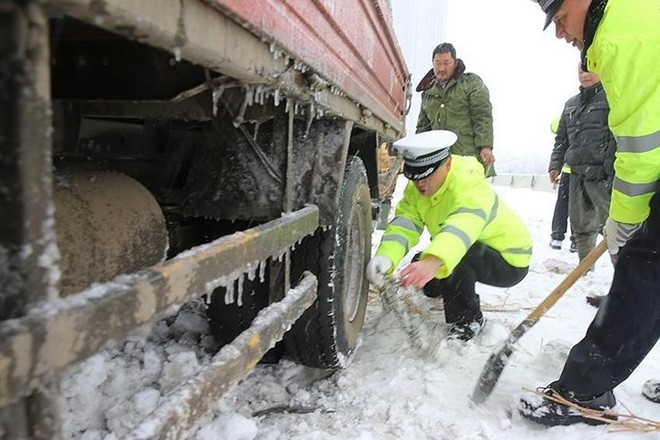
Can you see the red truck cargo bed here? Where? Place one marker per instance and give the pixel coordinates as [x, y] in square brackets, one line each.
[350, 43]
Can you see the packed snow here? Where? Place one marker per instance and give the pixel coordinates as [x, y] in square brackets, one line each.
[394, 387]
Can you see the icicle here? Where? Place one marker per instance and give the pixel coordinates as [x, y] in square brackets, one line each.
[249, 95]
[239, 294]
[262, 270]
[310, 119]
[217, 94]
[229, 294]
[277, 52]
[251, 272]
[238, 120]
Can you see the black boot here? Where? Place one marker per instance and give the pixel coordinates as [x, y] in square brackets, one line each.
[549, 413]
[465, 331]
[651, 390]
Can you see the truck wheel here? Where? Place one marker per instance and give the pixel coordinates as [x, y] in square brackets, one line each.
[326, 334]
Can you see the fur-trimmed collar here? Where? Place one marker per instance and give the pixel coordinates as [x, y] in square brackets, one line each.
[429, 79]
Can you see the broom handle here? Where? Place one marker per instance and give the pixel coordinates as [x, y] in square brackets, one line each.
[566, 284]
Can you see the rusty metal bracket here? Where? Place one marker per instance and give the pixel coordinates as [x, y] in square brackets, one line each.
[186, 405]
[56, 334]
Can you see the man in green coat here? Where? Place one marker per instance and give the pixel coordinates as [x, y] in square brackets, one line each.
[458, 101]
[475, 237]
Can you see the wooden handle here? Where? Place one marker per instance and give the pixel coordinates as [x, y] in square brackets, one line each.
[570, 279]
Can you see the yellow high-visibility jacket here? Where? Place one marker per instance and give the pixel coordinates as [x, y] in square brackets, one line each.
[625, 53]
[463, 211]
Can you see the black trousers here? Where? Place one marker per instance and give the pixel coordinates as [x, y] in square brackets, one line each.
[481, 263]
[560, 216]
[627, 325]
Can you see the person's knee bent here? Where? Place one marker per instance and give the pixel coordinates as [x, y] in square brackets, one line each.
[433, 289]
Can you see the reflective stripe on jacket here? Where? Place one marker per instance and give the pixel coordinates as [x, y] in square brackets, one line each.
[625, 53]
[463, 211]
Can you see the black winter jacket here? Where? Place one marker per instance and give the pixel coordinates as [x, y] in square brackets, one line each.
[584, 141]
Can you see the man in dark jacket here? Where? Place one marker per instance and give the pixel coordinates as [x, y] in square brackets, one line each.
[585, 143]
[458, 101]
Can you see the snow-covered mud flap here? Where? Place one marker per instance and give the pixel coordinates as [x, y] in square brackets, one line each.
[327, 333]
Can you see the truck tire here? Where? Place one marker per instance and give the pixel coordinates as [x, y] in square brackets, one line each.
[229, 319]
[327, 333]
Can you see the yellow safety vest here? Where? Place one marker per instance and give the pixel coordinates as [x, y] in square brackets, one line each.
[625, 53]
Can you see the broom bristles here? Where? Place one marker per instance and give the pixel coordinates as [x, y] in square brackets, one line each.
[626, 422]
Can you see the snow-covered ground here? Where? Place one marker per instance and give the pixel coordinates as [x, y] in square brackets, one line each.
[390, 390]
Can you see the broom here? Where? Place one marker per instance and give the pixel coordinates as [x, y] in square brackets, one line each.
[498, 360]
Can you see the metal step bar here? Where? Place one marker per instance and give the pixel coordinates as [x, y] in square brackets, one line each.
[183, 408]
[56, 334]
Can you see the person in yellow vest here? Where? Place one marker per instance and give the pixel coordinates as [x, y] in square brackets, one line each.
[619, 41]
[475, 237]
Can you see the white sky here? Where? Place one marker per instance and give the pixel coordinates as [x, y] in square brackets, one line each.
[530, 73]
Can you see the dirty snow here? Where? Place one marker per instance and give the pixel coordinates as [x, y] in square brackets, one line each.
[390, 390]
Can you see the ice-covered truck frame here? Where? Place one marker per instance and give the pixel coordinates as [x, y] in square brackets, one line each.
[155, 151]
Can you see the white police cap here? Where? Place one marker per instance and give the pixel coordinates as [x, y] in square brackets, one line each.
[424, 152]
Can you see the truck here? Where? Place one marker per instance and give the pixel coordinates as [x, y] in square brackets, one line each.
[156, 151]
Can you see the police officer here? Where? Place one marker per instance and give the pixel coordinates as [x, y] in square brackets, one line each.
[474, 236]
[620, 41]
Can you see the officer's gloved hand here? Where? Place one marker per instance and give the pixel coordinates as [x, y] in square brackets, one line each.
[377, 268]
[617, 234]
